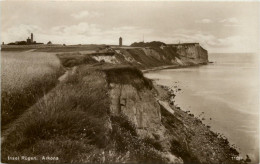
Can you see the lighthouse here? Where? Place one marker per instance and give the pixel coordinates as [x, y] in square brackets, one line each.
[31, 37]
[120, 41]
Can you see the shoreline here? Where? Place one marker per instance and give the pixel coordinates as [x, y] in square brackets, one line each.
[171, 67]
[214, 141]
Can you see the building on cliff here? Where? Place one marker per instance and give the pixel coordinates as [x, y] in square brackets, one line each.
[120, 41]
[28, 41]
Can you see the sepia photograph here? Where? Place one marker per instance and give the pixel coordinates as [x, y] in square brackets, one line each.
[160, 82]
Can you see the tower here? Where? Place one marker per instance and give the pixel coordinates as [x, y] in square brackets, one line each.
[31, 37]
[120, 41]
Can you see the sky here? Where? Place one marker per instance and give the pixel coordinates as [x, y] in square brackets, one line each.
[218, 26]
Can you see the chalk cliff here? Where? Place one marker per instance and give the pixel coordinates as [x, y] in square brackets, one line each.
[175, 54]
[191, 53]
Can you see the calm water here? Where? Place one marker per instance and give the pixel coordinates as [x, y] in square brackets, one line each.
[228, 94]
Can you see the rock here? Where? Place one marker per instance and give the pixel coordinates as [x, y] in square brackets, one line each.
[172, 94]
[166, 106]
[247, 159]
[141, 108]
[172, 159]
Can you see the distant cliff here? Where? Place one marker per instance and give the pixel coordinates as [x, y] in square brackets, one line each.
[191, 53]
[156, 54]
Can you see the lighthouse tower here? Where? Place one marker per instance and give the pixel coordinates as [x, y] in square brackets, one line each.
[31, 37]
[120, 41]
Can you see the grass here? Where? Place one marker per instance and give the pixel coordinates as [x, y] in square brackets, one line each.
[26, 76]
[71, 48]
[68, 117]
[125, 140]
[73, 122]
[75, 58]
[53, 48]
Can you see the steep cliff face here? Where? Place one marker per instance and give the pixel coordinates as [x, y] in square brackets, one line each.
[179, 54]
[140, 107]
[147, 57]
[136, 100]
[131, 94]
[191, 53]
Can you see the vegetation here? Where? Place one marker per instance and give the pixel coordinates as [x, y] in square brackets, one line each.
[75, 58]
[72, 48]
[52, 48]
[148, 44]
[73, 122]
[128, 75]
[25, 78]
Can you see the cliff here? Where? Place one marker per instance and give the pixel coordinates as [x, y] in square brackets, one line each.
[155, 56]
[191, 53]
[105, 113]
[146, 56]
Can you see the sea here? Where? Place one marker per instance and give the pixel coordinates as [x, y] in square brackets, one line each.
[223, 94]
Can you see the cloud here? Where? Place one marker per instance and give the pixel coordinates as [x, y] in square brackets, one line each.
[205, 21]
[232, 43]
[84, 14]
[23, 29]
[207, 40]
[81, 33]
[229, 20]
[82, 28]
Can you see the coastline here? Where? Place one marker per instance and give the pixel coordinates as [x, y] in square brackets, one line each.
[171, 67]
[196, 139]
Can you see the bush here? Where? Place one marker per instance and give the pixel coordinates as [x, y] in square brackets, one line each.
[126, 140]
[127, 75]
[74, 59]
